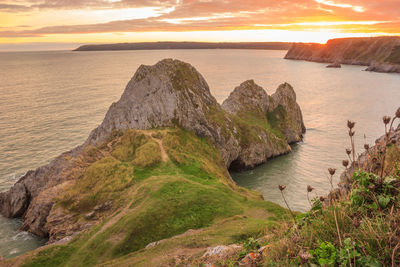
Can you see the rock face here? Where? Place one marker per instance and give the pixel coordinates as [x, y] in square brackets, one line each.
[249, 97]
[381, 54]
[249, 128]
[161, 95]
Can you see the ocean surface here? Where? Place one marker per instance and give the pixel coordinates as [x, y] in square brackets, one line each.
[50, 101]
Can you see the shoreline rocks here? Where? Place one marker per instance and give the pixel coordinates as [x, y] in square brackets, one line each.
[334, 65]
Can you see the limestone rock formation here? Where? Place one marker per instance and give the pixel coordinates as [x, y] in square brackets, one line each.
[381, 54]
[247, 96]
[281, 107]
[249, 128]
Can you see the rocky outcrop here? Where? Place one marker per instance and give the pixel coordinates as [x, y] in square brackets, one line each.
[365, 162]
[32, 196]
[169, 94]
[381, 54]
[279, 111]
[247, 96]
[280, 106]
[334, 65]
[287, 113]
[377, 66]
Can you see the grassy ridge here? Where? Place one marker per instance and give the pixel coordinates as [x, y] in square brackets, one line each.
[156, 200]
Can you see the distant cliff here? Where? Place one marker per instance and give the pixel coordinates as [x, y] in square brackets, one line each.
[184, 45]
[380, 54]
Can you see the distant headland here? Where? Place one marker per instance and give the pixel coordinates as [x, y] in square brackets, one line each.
[185, 45]
[380, 54]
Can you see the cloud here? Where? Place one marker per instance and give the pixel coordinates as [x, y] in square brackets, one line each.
[31, 5]
[13, 8]
[331, 3]
[214, 15]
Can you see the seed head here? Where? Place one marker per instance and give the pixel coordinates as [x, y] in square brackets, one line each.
[321, 198]
[371, 187]
[281, 187]
[398, 113]
[366, 146]
[374, 160]
[345, 163]
[296, 239]
[348, 151]
[386, 120]
[356, 222]
[332, 171]
[304, 257]
[394, 141]
[351, 124]
[309, 188]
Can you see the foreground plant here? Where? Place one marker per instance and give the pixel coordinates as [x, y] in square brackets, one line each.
[360, 228]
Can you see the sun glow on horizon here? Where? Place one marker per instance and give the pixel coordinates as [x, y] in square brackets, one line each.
[72, 22]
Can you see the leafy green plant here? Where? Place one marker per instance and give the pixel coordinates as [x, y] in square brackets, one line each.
[349, 255]
[325, 254]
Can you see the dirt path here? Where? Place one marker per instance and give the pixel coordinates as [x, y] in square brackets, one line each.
[115, 218]
[164, 155]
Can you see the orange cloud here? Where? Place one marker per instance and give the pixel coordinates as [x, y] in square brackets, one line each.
[366, 17]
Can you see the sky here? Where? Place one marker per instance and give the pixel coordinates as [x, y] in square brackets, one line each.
[64, 24]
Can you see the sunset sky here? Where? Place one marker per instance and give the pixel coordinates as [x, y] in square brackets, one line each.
[66, 23]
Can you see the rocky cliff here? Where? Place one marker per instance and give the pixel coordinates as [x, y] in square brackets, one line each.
[380, 54]
[149, 130]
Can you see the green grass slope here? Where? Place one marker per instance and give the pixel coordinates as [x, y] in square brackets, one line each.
[162, 183]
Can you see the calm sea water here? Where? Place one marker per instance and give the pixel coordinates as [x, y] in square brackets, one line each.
[50, 101]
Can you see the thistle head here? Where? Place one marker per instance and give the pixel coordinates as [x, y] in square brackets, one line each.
[356, 222]
[309, 188]
[350, 124]
[398, 113]
[366, 147]
[386, 120]
[304, 257]
[348, 151]
[322, 199]
[332, 171]
[345, 163]
[371, 187]
[281, 187]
